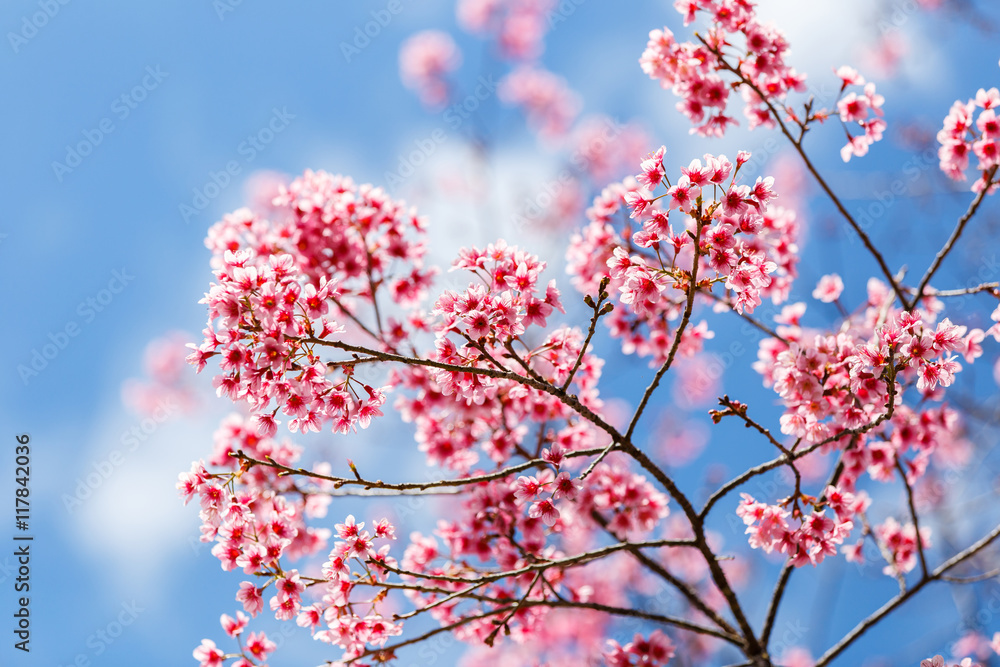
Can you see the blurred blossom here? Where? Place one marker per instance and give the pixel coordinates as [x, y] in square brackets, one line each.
[425, 59]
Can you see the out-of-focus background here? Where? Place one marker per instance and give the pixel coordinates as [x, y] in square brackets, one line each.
[129, 128]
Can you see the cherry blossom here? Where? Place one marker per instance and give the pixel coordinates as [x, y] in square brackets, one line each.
[425, 59]
[552, 510]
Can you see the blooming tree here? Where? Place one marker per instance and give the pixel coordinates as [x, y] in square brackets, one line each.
[558, 517]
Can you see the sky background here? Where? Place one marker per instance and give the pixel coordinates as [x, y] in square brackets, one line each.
[128, 551]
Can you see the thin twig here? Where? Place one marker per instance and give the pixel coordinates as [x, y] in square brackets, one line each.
[955, 234]
[889, 606]
[913, 516]
[403, 487]
[797, 144]
[752, 320]
[599, 309]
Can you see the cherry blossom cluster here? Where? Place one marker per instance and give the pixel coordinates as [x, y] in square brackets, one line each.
[495, 528]
[510, 522]
[263, 326]
[503, 303]
[839, 389]
[254, 516]
[901, 543]
[354, 566]
[864, 110]
[744, 242]
[972, 128]
[808, 539]
[636, 507]
[253, 650]
[653, 651]
[819, 377]
[425, 59]
[458, 414]
[337, 231]
[548, 102]
[275, 299]
[692, 70]
[486, 326]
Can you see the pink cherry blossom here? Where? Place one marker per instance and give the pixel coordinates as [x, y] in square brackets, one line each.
[424, 61]
[829, 288]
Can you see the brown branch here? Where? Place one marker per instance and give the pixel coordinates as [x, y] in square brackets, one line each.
[797, 144]
[570, 400]
[682, 587]
[752, 320]
[985, 287]
[950, 243]
[889, 606]
[600, 308]
[972, 579]
[404, 487]
[579, 559]
[913, 516]
[743, 478]
[678, 334]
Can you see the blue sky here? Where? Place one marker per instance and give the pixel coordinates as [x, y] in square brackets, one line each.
[99, 257]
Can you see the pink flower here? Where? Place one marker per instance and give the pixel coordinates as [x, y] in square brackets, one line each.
[259, 646]
[652, 170]
[853, 108]
[526, 488]
[545, 510]
[234, 627]
[849, 76]
[829, 288]
[208, 655]
[424, 60]
[251, 598]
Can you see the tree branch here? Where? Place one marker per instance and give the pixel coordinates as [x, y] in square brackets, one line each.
[950, 243]
[889, 606]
